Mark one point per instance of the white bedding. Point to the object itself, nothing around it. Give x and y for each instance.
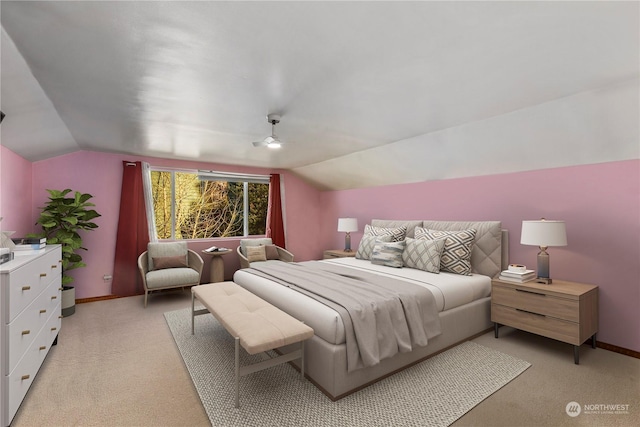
(450, 291)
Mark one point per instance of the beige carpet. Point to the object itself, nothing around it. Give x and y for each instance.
(116, 365)
(433, 393)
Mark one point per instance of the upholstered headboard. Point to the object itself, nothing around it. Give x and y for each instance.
(490, 252)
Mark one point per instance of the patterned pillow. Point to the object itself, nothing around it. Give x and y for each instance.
(367, 243)
(423, 254)
(456, 256)
(388, 253)
(256, 253)
(398, 234)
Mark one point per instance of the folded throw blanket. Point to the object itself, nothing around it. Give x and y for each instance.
(382, 316)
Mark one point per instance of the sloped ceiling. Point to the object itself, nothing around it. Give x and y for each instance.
(370, 93)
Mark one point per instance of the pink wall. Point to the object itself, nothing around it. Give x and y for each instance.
(101, 175)
(15, 193)
(600, 204)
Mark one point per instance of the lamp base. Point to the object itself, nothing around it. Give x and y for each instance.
(347, 242)
(543, 280)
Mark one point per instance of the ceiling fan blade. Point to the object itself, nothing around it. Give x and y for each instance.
(260, 143)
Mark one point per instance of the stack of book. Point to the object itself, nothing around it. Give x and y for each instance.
(517, 276)
(29, 243)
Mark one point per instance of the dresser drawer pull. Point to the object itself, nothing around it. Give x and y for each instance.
(54, 266)
(26, 332)
(54, 297)
(531, 312)
(43, 311)
(531, 292)
(54, 329)
(43, 347)
(43, 274)
(59, 289)
(25, 377)
(26, 288)
(60, 316)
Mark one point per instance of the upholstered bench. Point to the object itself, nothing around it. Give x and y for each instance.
(255, 324)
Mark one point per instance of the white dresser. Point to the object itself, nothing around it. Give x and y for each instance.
(30, 313)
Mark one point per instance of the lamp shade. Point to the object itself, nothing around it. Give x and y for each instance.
(543, 233)
(347, 224)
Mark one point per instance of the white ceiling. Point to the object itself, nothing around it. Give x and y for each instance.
(354, 81)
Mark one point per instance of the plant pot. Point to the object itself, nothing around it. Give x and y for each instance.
(68, 301)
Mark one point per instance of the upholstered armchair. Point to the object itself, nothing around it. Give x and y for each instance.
(256, 250)
(166, 265)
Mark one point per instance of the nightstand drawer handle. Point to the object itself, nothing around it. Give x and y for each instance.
(26, 288)
(531, 312)
(530, 292)
(43, 274)
(25, 377)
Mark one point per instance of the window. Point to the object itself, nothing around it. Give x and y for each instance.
(204, 205)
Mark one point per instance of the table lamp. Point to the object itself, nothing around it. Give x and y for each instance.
(347, 225)
(543, 233)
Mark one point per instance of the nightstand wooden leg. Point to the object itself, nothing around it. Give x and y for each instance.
(593, 341)
(576, 354)
(496, 326)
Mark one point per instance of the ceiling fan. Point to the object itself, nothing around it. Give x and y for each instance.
(271, 141)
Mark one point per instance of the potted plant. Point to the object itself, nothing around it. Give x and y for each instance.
(61, 219)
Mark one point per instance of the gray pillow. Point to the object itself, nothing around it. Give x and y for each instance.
(423, 254)
(388, 253)
(398, 233)
(456, 256)
(365, 249)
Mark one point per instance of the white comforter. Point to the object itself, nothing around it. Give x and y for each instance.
(450, 291)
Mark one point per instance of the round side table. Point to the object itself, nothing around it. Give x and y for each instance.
(216, 270)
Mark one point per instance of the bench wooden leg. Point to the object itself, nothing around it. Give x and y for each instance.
(237, 372)
(302, 359)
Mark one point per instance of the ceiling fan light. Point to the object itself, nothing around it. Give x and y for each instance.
(274, 144)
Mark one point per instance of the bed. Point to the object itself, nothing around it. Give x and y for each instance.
(463, 303)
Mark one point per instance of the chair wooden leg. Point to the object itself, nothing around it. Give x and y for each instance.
(145, 298)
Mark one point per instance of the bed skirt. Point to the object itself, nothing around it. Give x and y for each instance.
(326, 363)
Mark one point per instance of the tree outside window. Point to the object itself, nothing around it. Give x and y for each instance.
(203, 209)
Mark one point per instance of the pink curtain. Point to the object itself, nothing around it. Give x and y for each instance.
(275, 225)
(133, 233)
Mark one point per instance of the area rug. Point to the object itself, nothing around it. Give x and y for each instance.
(435, 392)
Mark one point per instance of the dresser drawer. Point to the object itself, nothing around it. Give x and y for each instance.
(537, 302)
(23, 330)
(19, 380)
(558, 329)
(27, 282)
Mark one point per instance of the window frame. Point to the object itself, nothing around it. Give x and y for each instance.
(209, 175)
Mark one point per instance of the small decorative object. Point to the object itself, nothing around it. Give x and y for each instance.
(517, 268)
(61, 220)
(347, 225)
(543, 233)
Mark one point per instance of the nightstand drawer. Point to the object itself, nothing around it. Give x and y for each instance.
(547, 326)
(537, 302)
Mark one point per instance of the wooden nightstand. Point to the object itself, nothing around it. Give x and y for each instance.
(564, 311)
(337, 253)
